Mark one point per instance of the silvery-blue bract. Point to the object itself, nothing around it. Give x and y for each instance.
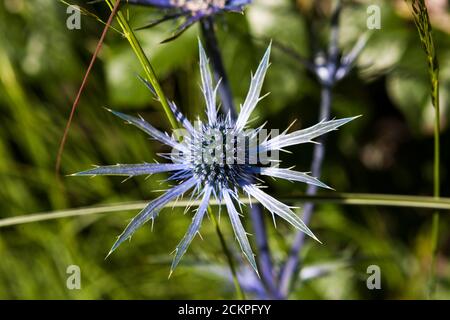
(219, 179)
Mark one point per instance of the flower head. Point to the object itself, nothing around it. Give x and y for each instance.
(218, 158)
(191, 10)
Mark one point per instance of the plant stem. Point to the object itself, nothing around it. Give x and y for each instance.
(292, 264)
(240, 294)
(114, 10)
(264, 257)
(358, 199)
(213, 51)
(436, 188)
(423, 24)
(146, 65)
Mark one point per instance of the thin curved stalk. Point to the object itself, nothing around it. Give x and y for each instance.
(333, 64)
(352, 199)
(264, 258)
(114, 10)
(292, 263)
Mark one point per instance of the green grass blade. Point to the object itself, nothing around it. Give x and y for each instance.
(423, 24)
(337, 198)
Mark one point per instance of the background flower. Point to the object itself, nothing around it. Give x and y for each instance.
(191, 10)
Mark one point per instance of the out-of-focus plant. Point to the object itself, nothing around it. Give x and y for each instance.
(329, 68)
(191, 10)
(423, 24)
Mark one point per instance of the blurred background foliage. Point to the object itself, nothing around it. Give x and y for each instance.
(388, 150)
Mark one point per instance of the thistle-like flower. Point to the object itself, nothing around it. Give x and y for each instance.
(215, 159)
(191, 10)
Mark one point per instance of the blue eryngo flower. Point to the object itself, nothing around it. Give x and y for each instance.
(217, 159)
(191, 10)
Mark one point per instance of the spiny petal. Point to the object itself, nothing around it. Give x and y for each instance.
(156, 3)
(278, 208)
(207, 85)
(238, 2)
(173, 107)
(239, 231)
(149, 86)
(149, 129)
(181, 118)
(193, 229)
(304, 135)
(152, 210)
(156, 22)
(183, 27)
(131, 169)
(291, 175)
(253, 93)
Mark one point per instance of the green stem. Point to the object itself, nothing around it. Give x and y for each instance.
(437, 130)
(148, 69)
(423, 24)
(436, 188)
(338, 198)
(434, 247)
(240, 294)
